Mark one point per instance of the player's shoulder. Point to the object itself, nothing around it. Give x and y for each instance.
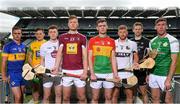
(131, 41)
(153, 39)
(93, 38)
(145, 39)
(81, 35)
(171, 38)
(45, 44)
(10, 43)
(63, 35)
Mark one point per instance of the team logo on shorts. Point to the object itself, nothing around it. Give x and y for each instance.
(13, 83)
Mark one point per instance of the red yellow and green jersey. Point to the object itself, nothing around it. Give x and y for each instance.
(34, 49)
(101, 50)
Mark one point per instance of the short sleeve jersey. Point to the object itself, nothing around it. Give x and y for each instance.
(48, 50)
(34, 48)
(124, 53)
(16, 56)
(72, 50)
(165, 46)
(142, 45)
(101, 50)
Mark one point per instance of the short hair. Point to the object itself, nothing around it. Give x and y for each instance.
(122, 27)
(100, 21)
(160, 19)
(137, 24)
(16, 28)
(72, 17)
(52, 27)
(39, 28)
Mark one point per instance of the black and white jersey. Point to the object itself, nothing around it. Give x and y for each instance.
(124, 53)
(142, 46)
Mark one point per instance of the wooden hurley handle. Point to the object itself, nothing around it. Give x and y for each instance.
(148, 64)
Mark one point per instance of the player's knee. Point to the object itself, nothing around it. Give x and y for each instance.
(108, 97)
(66, 98)
(169, 100)
(58, 94)
(82, 98)
(18, 97)
(46, 97)
(95, 98)
(144, 93)
(155, 98)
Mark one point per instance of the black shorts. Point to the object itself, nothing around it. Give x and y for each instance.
(141, 76)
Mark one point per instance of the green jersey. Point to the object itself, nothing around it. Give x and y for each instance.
(165, 46)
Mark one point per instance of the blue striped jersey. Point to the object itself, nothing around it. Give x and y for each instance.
(15, 56)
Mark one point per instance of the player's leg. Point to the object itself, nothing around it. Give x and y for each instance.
(96, 86)
(17, 84)
(143, 90)
(22, 92)
(81, 90)
(35, 94)
(108, 90)
(17, 94)
(142, 84)
(47, 91)
(67, 86)
(108, 95)
(129, 94)
(169, 97)
(7, 93)
(155, 91)
(169, 93)
(81, 94)
(115, 95)
(58, 90)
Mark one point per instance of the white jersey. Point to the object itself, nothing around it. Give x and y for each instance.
(49, 50)
(124, 53)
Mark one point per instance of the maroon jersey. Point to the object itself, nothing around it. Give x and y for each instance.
(72, 50)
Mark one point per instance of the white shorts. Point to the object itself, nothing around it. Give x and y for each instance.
(156, 81)
(104, 84)
(124, 75)
(69, 81)
(48, 81)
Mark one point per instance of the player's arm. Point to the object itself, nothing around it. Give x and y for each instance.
(84, 58)
(135, 56)
(93, 76)
(90, 60)
(29, 55)
(58, 58)
(174, 45)
(3, 67)
(42, 55)
(114, 64)
(173, 66)
(4, 63)
(85, 62)
(42, 60)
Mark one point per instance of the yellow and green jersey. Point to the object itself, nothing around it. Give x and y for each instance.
(34, 50)
(165, 46)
